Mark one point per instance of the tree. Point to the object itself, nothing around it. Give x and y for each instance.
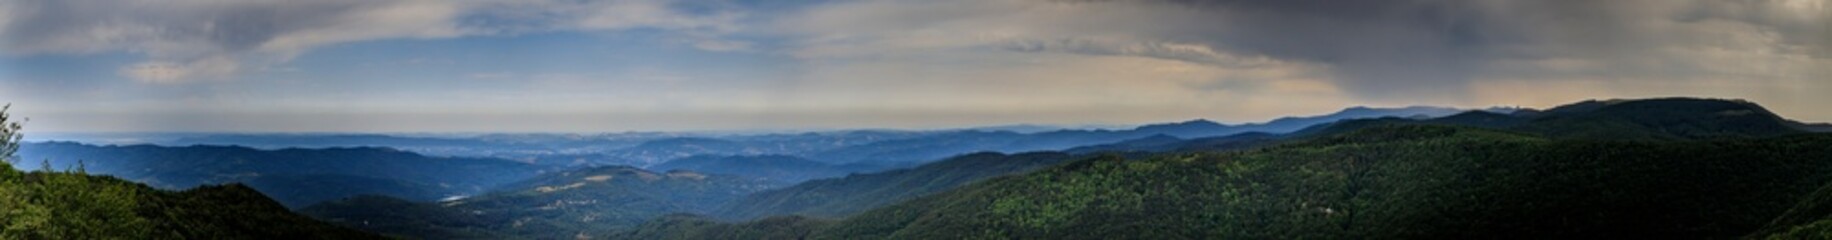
(16, 213)
(9, 136)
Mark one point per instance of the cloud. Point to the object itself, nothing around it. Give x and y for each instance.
(159, 72)
(1422, 50)
(189, 40)
(956, 62)
(1195, 53)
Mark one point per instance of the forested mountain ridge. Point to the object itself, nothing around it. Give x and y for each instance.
(1668, 118)
(840, 197)
(1630, 119)
(1639, 119)
(74, 205)
(295, 177)
(1385, 182)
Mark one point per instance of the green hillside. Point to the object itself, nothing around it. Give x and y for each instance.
(1390, 182)
(73, 205)
(1811, 218)
(295, 177)
(687, 226)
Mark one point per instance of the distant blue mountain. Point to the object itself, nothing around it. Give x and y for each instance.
(873, 147)
(943, 145)
(1204, 128)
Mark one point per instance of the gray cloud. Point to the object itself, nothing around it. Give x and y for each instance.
(1195, 53)
(189, 40)
(1412, 49)
(1065, 61)
(1407, 47)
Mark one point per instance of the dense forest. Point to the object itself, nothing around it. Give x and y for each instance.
(1661, 168)
(1395, 182)
(295, 177)
(70, 204)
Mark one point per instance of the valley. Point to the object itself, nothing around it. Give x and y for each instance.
(1675, 167)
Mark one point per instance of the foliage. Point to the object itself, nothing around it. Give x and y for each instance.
(74, 205)
(1388, 182)
(295, 177)
(839, 197)
(10, 137)
(687, 226)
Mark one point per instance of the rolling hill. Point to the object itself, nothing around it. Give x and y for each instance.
(942, 145)
(295, 177)
(73, 205)
(779, 168)
(1408, 182)
(585, 202)
(839, 197)
(1640, 119)
(1668, 118)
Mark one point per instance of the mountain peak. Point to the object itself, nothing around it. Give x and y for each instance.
(1184, 125)
(1196, 127)
(1414, 108)
(1675, 118)
(1198, 121)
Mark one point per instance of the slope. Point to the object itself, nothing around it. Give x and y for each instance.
(941, 145)
(295, 176)
(839, 197)
(587, 202)
(72, 205)
(1811, 218)
(1662, 118)
(780, 168)
(1387, 182)
(1639, 119)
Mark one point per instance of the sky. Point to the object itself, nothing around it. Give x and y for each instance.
(668, 65)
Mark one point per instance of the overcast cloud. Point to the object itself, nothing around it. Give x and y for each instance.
(673, 65)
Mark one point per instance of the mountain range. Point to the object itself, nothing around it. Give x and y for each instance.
(586, 202)
(295, 177)
(1655, 168)
(1642, 168)
(74, 205)
(644, 149)
(839, 197)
